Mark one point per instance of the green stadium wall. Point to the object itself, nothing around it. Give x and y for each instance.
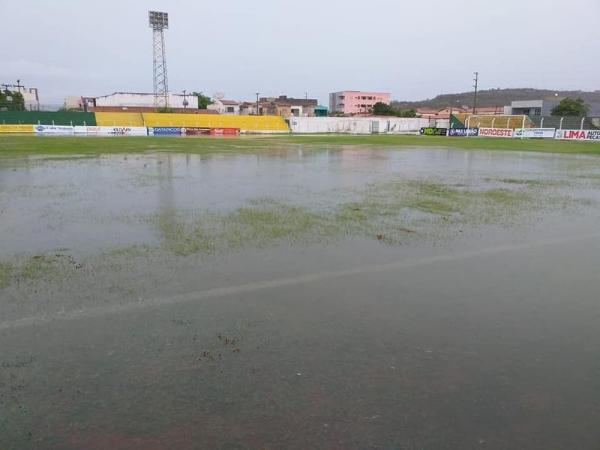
(47, 118)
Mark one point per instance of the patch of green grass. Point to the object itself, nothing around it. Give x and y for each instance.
(388, 212)
(38, 266)
(6, 271)
(264, 221)
(532, 182)
(44, 266)
(184, 237)
(431, 206)
(11, 146)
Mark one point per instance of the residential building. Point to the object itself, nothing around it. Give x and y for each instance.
(531, 107)
(281, 106)
(356, 102)
(321, 111)
(437, 113)
(444, 113)
(541, 108)
(30, 95)
(225, 106)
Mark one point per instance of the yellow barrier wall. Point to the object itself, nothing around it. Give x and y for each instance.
(244, 123)
(119, 119)
(16, 128)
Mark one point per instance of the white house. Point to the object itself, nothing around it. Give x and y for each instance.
(225, 106)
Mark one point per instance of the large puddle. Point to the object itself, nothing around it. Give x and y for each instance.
(300, 298)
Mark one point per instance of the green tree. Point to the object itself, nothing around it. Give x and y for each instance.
(203, 100)
(408, 113)
(570, 107)
(11, 101)
(383, 109)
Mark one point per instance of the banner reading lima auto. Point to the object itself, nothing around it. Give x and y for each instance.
(578, 135)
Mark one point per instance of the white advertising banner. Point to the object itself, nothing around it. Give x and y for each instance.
(112, 131)
(496, 132)
(53, 129)
(547, 133)
(578, 135)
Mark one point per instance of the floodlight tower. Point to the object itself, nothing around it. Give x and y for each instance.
(159, 22)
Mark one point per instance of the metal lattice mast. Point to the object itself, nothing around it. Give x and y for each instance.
(159, 22)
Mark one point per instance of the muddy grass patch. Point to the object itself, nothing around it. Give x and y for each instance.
(391, 213)
(6, 270)
(49, 267)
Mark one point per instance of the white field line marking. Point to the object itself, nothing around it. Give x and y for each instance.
(280, 282)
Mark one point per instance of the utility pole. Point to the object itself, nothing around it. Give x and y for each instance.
(185, 102)
(257, 94)
(476, 80)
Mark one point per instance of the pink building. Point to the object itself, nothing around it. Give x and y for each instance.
(356, 102)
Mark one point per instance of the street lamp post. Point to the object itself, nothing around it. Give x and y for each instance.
(185, 102)
(476, 85)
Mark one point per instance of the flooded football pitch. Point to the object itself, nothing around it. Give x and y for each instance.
(300, 297)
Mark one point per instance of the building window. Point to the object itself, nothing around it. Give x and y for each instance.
(230, 109)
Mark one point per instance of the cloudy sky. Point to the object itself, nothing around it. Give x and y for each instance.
(414, 49)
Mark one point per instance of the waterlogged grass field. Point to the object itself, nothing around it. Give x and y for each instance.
(35, 145)
(299, 292)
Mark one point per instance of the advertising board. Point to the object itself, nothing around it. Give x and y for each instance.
(53, 129)
(211, 131)
(547, 133)
(578, 135)
(165, 131)
(111, 131)
(464, 132)
(16, 128)
(432, 131)
(225, 131)
(195, 131)
(496, 132)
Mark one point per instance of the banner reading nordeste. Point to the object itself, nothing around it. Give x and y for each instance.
(496, 132)
(53, 129)
(547, 133)
(112, 131)
(578, 135)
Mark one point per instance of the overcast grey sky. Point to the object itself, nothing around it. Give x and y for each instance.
(414, 49)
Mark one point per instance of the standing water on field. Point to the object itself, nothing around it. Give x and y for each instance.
(300, 298)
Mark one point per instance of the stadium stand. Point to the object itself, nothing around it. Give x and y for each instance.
(47, 118)
(119, 119)
(244, 123)
(491, 121)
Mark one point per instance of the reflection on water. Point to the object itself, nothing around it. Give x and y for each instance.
(497, 349)
(91, 204)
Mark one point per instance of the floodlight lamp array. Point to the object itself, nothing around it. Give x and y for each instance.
(158, 20)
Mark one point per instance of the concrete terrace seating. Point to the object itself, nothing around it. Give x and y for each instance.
(491, 121)
(119, 119)
(244, 123)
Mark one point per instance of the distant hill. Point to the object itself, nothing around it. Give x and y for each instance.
(496, 97)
